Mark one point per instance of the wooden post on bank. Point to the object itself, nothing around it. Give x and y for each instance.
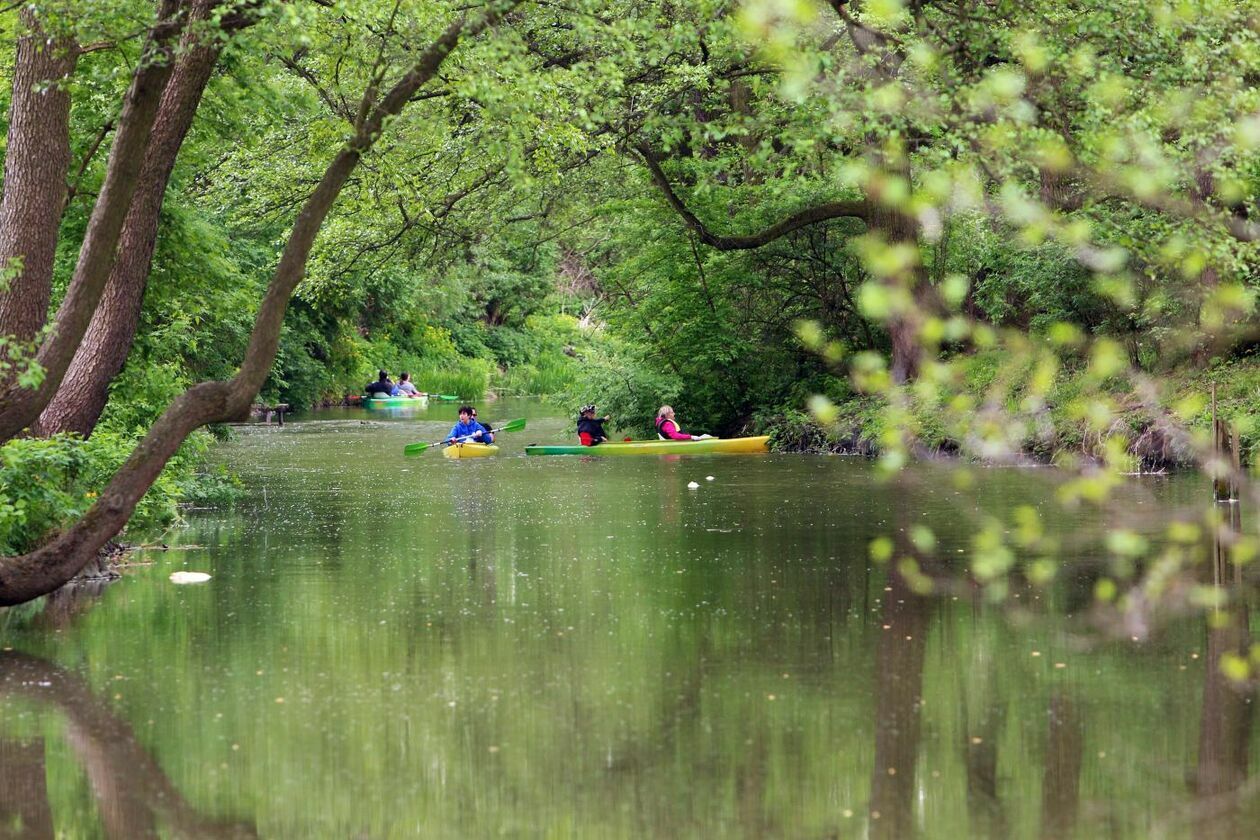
(1227, 457)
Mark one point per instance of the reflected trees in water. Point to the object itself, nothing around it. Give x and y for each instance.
(134, 797)
(1228, 713)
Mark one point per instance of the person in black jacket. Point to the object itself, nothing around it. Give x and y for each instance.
(590, 429)
(382, 386)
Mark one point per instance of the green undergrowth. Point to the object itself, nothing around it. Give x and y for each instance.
(46, 483)
(1065, 427)
(545, 356)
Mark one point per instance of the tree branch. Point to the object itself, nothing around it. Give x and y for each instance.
(855, 209)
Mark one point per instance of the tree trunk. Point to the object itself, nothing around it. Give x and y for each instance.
(1207, 337)
(31, 575)
(78, 403)
(19, 407)
(905, 326)
(35, 167)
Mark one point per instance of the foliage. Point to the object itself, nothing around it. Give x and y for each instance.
(47, 482)
(622, 382)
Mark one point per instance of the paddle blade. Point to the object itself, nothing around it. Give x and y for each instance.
(415, 448)
(512, 425)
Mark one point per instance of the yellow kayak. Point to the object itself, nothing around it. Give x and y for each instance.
(469, 450)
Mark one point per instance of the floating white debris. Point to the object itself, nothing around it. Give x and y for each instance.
(691, 485)
(708, 478)
(189, 577)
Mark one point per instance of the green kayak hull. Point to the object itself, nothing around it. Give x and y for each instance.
(713, 446)
(393, 402)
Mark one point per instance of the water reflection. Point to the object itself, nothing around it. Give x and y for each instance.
(1065, 753)
(134, 798)
(525, 647)
(898, 701)
(1228, 711)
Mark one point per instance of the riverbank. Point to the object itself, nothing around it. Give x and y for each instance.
(1159, 438)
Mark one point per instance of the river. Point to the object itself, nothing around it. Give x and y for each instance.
(570, 647)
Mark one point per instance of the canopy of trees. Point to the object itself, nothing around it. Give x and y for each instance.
(737, 207)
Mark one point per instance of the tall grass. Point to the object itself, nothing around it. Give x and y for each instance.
(466, 377)
(552, 373)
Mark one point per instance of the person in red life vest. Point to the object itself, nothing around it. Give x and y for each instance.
(590, 429)
(667, 427)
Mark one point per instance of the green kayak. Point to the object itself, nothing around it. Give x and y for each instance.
(393, 402)
(712, 446)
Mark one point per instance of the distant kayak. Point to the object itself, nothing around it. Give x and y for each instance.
(712, 446)
(469, 450)
(393, 402)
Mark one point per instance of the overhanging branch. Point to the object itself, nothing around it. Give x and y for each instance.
(856, 209)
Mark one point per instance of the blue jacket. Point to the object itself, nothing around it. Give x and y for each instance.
(460, 430)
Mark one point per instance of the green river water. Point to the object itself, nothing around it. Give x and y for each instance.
(568, 647)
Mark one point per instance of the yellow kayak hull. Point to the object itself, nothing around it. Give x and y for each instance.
(469, 450)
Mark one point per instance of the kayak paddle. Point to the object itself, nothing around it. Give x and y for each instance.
(510, 426)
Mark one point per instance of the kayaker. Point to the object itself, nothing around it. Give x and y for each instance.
(468, 429)
(406, 387)
(383, 386)
(667, 427)
(589, 428)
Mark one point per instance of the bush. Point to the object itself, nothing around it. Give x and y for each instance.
(46, 483)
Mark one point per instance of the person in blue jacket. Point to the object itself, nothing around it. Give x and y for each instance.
(468, 430)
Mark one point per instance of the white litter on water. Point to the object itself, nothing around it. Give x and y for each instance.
(189, 577)
(691, 485)
(708, 478)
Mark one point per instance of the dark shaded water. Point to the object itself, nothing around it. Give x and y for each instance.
(563, 647)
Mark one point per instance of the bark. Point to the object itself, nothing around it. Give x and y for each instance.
(1207, 343)
(19, 407)
(35, 167)
(43, 570)
(78, 403)
(904, 327)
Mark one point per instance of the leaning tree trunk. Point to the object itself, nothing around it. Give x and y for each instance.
(78, 403)
(29, 576)
(35, 166)
(19, 406)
